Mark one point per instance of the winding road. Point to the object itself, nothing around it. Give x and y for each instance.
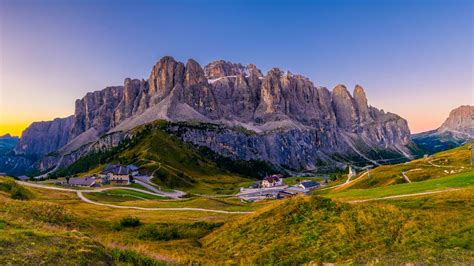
(406, 195)
(347, 182)
(83, 198)
(145, 181)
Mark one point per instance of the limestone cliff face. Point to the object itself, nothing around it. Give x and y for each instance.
(295, 123)
(96, 110)
(460, 120)
(44, 137)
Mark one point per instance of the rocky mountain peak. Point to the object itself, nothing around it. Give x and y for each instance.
(344, 107)
(460, 120)
(285, 108)
(253, 70)
(194, 74)
(164, 76)
(361, 105)
(221, 68)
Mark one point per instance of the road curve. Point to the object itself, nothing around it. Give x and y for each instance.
(86, 190)
(81, 196)
(348, 182)
(406, 195)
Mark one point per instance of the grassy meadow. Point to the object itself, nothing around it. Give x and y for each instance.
(48, 226)
(457, 181)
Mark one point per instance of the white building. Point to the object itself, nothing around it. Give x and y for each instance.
(272, 181)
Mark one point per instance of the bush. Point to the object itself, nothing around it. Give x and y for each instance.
(130, 222)
(20, 193)
(166, 232)
(16, 191)
(162, 232)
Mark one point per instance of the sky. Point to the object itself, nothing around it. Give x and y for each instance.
(413, 57)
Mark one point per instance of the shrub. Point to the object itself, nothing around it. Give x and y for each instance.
(3, 224)
(166, 232)
(323, 203)
(20, 193)
(130, 221)
(161, 232)
(16, 191)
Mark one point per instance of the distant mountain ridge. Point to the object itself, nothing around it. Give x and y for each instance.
(7, 143)
(456, 130)
(279, 117)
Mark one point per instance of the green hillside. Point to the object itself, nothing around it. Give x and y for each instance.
(174, 164)
(34, 232)
(442, 164)
(452, 182)
(318, 230)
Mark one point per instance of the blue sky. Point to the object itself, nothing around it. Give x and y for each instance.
(413, 58)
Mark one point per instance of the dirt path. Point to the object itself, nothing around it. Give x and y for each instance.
(406, 195)
(79, 194)
(406, 177)
(83, 198)
(146, 182)
(347, 182)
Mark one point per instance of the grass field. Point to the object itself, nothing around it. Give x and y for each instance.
(439, 165)
(120, 195)
(464, 180)
(317, 231)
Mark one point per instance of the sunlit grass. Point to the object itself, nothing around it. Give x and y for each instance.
(464, 180)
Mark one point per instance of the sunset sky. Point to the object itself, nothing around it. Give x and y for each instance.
(413, 58)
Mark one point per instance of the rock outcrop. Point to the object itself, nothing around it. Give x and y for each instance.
(294, 123)
(41, 138)
(460, 121)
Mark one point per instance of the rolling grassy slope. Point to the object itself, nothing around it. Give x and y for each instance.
(463, 180)
(318, 230)
(174, 164)
(439, 165)
(56, 228)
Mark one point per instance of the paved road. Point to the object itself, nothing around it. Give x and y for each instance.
(81, 196)
(146, 182)
(260, 191)
(406, 195)
(85, 190)
(347, 183)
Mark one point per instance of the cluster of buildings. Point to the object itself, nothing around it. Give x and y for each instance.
(112, 174)
(272, 187)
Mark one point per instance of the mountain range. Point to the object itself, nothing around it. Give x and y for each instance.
(280, 117)
(456, 130)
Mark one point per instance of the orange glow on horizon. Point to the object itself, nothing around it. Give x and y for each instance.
(13, 129)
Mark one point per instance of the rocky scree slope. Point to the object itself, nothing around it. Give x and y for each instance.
(279, 117)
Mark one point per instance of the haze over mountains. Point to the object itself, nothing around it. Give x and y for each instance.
(281, 118)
